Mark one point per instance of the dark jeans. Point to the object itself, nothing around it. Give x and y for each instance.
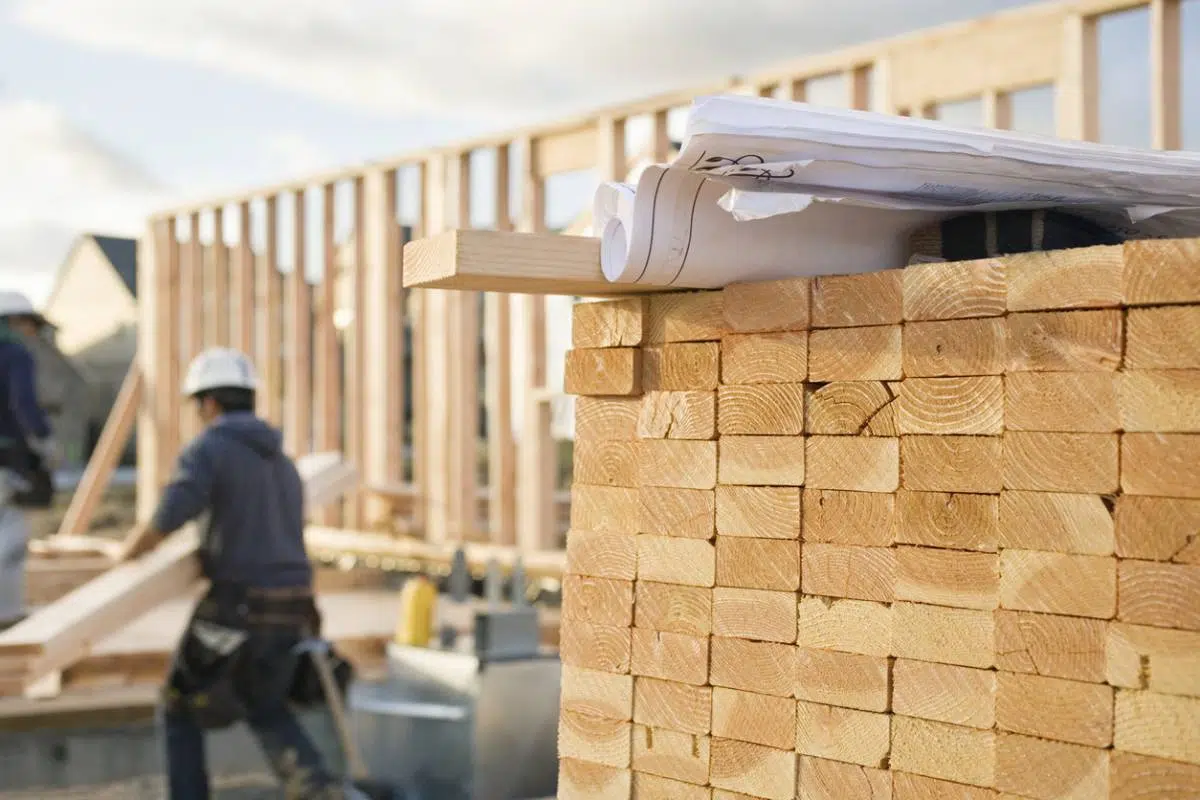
(288, 749)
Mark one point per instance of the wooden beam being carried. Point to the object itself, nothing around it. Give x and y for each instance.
(65, 631)
(104, 458)
(519, 263)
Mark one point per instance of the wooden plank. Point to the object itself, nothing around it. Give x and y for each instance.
(855, 354)
(847, 680)
(117, 428)
(689, 366)
(1054, 646)
(677, 463)
(768, 409)
(518, 263)
(938, 750)
(764, 357)
(1064, 341)
(1054, 521)
(603, 601)
(1160, 725)
(767, 305)
(597, 647)
(1159, 401)
(1077, 103)
(1165, 595)
(948, 520)
(1056, 709)
(748, 767)
(596, 739)
(851, 301)
(1083, 277)
(670, 754)
(686, 317)
(848, 626)
(944, 635)
(596, 693)
(687, 513)
(1133, 776)
(851, 408)
(956, 405)
(672, 608)
(604, 418)
(615, 371)
(355, 368)
(761, 460)
(955, 291)
(861, 573)
(243, 285)
(584, 780)
(269, 336)
(760, 667)
(674, 706)
(613, 323)
(601, 553)
(604, 508)
(759, 614)
(1162, 338)
(327, 363)
(677, 415)
(219, 334)
(1157, 529)
(1166, 465)
(758, 718)
(669, 559)
(1158, 272)
(1162, 660)
(843, 734)
(1031, 767)
(855, 518)
(751, 563)
(655, 787)
(1166, 63)
(299, 387)
(567, 151)
(1061, 462)
(762, 512)
(944, 693)
(866, 464)
(670, 656)
(1066, 402)
(63, 632)
(947, 577)
(1058, 583)
(606, 463)
(954, 347)
(951, 463)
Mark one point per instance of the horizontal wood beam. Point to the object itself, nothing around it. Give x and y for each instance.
(519, 263)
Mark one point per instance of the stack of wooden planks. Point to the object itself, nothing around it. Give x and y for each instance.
(915, 534)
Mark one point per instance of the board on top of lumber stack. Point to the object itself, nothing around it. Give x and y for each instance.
(922, 533)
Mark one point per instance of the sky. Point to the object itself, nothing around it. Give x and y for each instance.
(112, 108)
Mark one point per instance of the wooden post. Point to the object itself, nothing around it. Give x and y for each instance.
(997, 109)
(535, 468)
(381, 276)
(156, 353)
(662, 138)
(611, 159)
(858, 82)
(1078, 106)
(799, 90)
(1166, 63)
(298, 427)
(243, 280)
(417, 354)
(462, 386)
(502, 455)
(189, 301)
(435, 495)
(328, 434)
(270, 311)
(220, 335)
(355, 365)
(108, 451)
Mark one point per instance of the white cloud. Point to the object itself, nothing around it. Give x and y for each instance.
(56, 181)
(500, 60)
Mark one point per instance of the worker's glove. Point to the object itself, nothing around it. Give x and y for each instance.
(47, 449)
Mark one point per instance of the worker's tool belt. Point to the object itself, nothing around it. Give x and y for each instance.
(239, 646)
(36, 489)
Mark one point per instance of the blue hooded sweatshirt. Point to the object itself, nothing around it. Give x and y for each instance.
(21, 418)
(236, 476)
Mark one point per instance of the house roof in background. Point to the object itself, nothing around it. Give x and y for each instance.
(122, 254)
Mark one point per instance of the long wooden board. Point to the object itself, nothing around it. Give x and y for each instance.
(65, 631)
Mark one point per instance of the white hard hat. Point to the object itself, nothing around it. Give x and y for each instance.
(16, 304)
(219, 367)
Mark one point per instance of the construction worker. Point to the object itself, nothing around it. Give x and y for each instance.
(26, 445)
(240, 647)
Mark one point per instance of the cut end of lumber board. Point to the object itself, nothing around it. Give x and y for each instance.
(518, 263)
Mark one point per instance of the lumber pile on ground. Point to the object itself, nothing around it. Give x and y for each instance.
(922, 533)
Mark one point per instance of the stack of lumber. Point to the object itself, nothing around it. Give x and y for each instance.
(914, 534)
